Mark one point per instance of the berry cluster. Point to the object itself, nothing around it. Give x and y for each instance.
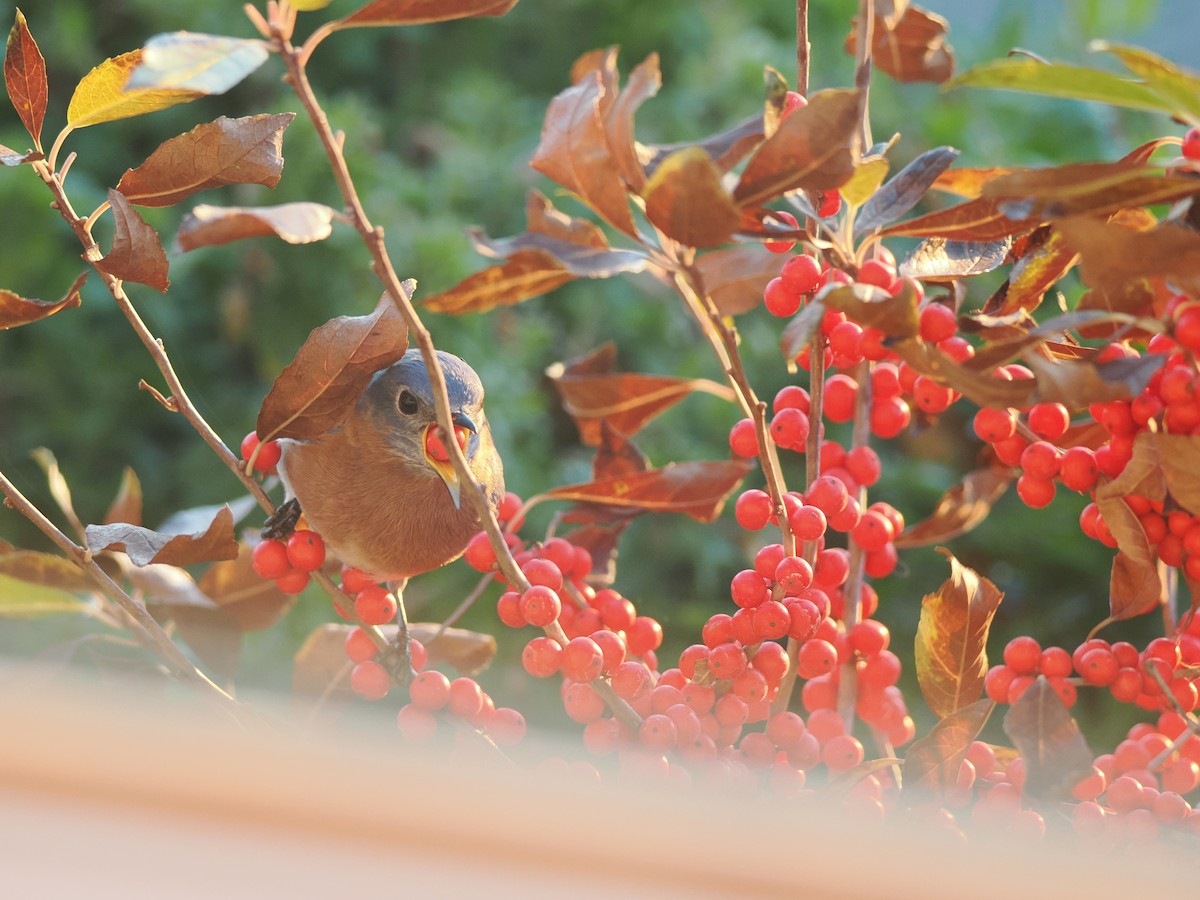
(289, 563)
(262, 456)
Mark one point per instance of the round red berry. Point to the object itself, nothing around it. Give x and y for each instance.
(370, 680)
(540, 605)
(306, 550)
(789, 222)
(268, 456)
(801, 274)
(292, 581)
(375, 606)
(937, 323)
(779, 299)
(582, 659)
(269, 559)
(743, 439)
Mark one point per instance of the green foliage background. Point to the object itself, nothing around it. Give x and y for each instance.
(440, 123)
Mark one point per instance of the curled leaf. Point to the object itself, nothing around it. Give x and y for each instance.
(527, 273)
(319, 388)
(1178, 454)
(905, 190)
(144, 546)
(16, 310)
(295, 223)
(205, 63)
(910, 47)
(422, 12)
(137, 253)
(227, 151)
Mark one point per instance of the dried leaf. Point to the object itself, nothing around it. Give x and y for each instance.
(319, 388)
(616, 457)
(686, 200)
(1047, 737)
(169, 586)
(1113, 254)
(253, 602)
(1058, 80)
(226, 151)
(642, 84)
(57, 483)
(16, 310)
(1178, 454)
(960, 508)
(912, 48)
(951, 649)
(976, 386)
(295, 223)
(144, 546)
(626, 400)
(1032, 275)
(976, 220)
(1135, 586)
(967, 182)
(735, 277)
(1076, 383)
(903, 192)
(25, 600)
(11, 158)
(896, 316)
(726, 149)
(127, 505)
(574, 152)
(25, 78)
(101, 95)
(527, 273)
(45, 569)
(137, 253)
(196, 518)
(205, 63)
(933, 762)
(938, 259)
(422, 12)
(1097, 189)
(815, 148)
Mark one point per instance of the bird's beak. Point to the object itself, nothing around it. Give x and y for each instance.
(438, 456)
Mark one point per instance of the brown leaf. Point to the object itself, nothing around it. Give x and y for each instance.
(896, 316)
(319, 388)
(1092, 188)
(16, 310)
(976, 386)
(815, 148)
(1076, 383)
(1032, 275)
(43, 568)
(169, 586)
(912, 48)
(1111, 253)
(967, 182)
(137, 253)
(574, 152)
(626, 400)
(1143, 475)
(937, 259)
(467, 652)
(933, 762)
(227, 151)
(735, 277)
(1179, 454)
(686, 200)
(981, 219)
(11, 158)
(127, 505)
(421, 12)
(144, 546)
(253, 601)
(600, 540)
(951, 649)
(527, 273)
(642, 84)
(25, 78)
(1047, 737)
(726, 149)
(295, 223)
(902, 192)
(1135, 586)
(960, 508)
(696, 489)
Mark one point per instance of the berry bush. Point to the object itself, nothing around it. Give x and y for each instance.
(793, 686)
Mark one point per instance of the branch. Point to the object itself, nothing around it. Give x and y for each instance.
(803, 47)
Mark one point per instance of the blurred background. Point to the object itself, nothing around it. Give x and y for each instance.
(440, 124)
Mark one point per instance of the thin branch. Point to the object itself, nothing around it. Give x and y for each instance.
(864, 39)
(803, 47)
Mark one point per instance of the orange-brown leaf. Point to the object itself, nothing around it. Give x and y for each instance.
(1092, 188)
(1113, 254)
(981, 219)
(317, 391)
(686, 200)
(642, 84)
(735, 277)
(137, 253)
(25, 78)
(1055, 754)
(951, 649)
(422, 12)
(896, 316)
(1178, 454)
(295, 223)
(253, 601)
(127, 505)
(967, 182)
(1135, 586)
(227, 151)
(933, 762)
(527, 273)
(144, 546)
(960, 508)
(815, 148)
(16, 310)
(726, 148)
(574, 152)
(912, 48)
(696, 489)
(1032, 275)
(43, 568)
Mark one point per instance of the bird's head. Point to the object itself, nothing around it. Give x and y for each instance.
(399, 401)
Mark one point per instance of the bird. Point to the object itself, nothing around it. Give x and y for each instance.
(380, 488)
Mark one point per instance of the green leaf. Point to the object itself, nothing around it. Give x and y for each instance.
(24, 600)
(186, 61)
(1176, 87)
(1058, 80)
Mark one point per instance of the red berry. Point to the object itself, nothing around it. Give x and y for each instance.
(841, 393)
(542, 657)
(864, 465)
(743, 439)
(268, 453)
(292, 581)
(753, 509)
(430, 690)
(359, 646)
(1049, 421)
(643, 636)
(1023, 655)
(306, 550)
(540, 606)
(873, 531)
(876, 272)
(801, 274)
(831, 204)
(355, 580)
(370, 680)
(789, 429)
(779, 299)
(938, 322)
(793, 574)
(466, 698)
(1191, 143)
(889, 416)
(1035, 492)
(506, 726)
(994, 425)
(817, 657)
(790, 222)
(808, 523)
(375, 606)
(269, 559)
(1078, 469)
(748, 588)
(841, 753)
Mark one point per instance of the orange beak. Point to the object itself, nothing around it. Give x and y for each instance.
(438, 456)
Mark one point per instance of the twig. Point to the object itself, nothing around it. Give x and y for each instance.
(864, 39)
(803, 47)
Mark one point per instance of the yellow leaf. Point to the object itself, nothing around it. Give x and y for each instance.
(310, 5)
(865, 181)
(101, 95)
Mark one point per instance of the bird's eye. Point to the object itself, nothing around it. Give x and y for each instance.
(407, 402)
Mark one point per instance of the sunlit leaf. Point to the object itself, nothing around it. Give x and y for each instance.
(1059, 80)
(25, 600)
(205, 63)
(735, 277)
(815, 148)
(422, 12)
(1178, 455)
(896, 316)
(11, 158)
(295, 223)
(318, 389)
(868, 176)
(101, 95)
(939, 259)
(687, 202)
(951, 648)
(912, 48)
(16, 310)
(1047, 737)
(25, 78)
(726, 149)
(136, 253)
(902, 192)
(642, 84)
(144, 546)
(527, 273)
(1177, 87)
(309, 5)
(1033, 274)
(1113, 254)
(960, 509)
(932, 763)
(968, 182)
(226, 151)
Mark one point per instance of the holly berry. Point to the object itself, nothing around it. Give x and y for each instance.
(306, 550)
(1191, 143)
(370, 680)
(783, 246)
(937, 322)
(293, 581)
(269, 559)
(801, 274)
(375, 606)
(269, 453)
